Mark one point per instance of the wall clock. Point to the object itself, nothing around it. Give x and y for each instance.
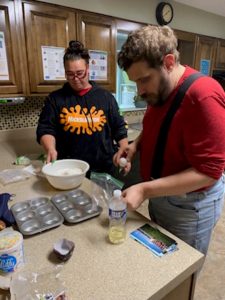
(164, 13)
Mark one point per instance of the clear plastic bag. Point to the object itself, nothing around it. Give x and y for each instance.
(104, 186)
(44, 285)
(13, 175)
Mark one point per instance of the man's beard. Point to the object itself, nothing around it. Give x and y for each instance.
(163, 91)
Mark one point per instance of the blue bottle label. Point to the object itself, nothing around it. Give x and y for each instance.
(118, 214)
(7, 263)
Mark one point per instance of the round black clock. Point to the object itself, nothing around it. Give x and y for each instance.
(164, 13)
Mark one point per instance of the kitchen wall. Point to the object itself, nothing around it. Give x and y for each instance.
(185, 18)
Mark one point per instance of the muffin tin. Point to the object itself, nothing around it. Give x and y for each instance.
(41, 213)
(76, 206)
(36, 215)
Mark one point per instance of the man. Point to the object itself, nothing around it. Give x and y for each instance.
(81, 120)
(187, 197)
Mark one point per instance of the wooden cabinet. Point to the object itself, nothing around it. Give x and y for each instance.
(98, 32)
(220, 55)
(12, 76)
(28, 25)
(186, 47)
(45, 25)
(205, 49)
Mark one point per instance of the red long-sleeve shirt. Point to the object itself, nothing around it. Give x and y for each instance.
(197, 134)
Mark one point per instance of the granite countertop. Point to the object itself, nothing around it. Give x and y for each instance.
(97, 269)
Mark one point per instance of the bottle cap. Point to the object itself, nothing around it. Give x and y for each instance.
(117, 193)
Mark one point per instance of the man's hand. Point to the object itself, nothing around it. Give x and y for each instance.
(119, 156)
(134, 196)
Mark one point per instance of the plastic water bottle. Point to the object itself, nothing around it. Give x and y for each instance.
(117, 218)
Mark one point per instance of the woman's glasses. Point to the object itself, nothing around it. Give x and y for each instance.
(79, 74)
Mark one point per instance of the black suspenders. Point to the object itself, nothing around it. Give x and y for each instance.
(157, 163)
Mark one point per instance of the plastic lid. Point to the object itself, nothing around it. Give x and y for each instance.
(117, 193)
(9, 239)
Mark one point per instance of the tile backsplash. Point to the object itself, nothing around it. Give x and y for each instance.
(134, 116)
(27, 113)
(21, 115)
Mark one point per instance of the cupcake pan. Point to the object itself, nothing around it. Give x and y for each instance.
(36, 215)
(41, 213)
(76, 206)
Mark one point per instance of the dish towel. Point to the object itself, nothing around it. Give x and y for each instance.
(6, 214)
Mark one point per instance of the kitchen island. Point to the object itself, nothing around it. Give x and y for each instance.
(97, 269)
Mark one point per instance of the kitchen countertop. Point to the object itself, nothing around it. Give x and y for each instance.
(97, 269)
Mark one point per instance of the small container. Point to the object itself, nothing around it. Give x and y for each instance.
(63, 249)
(127, 95)
(11, 251)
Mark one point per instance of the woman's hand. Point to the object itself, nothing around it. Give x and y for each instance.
(48, 142)
(51, 155)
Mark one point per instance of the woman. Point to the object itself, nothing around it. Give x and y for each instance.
(81, 120)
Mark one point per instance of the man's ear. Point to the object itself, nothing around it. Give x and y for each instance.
(169, 62)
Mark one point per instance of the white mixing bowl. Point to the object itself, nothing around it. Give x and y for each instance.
(65, 174)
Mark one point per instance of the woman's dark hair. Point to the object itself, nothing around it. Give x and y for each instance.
(76, 51)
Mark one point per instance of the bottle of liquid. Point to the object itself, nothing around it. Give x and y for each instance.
(127, 97)
(117, 218)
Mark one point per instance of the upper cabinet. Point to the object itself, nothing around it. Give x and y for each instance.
(186, 47)
(205, 50)
(12, 71)
(47, 27)
(34, 35)
(98, 33)
(220, 55)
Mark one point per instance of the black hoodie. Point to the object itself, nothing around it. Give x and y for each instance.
(85, 127)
